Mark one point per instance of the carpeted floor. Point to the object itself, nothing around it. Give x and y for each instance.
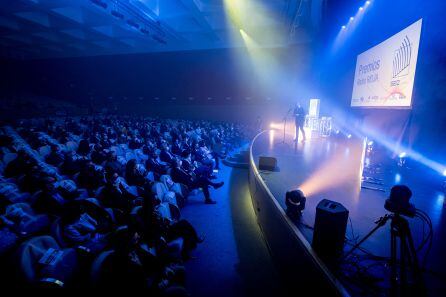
(233, 260)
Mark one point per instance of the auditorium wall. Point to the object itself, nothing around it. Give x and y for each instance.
(219, 84)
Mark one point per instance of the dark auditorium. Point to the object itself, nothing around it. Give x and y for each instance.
(225, 148)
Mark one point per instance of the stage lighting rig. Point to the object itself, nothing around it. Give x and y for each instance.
(295, 203)
(402, 159)
(370, 144)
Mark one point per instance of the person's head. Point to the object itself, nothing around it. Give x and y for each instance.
(111, 176)
(84, 144)
(111, 156)
(22, 154)
(48, 184)
(69, 154)
(98, 147)
(131, 164)
(55, 148)
(155, 154)
(123, 240)
(177, 163)
(185, 154)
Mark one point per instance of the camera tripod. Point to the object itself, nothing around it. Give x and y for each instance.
(399, 262)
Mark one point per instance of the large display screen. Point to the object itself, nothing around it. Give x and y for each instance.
(385, 74)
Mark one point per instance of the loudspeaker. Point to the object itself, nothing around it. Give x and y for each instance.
(267, 163)
(329, 230)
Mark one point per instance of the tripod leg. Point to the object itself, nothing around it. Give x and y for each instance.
(418, 278)
(413, 252)
(403, 258)
(408, 260)
(393, 260)
(382, 221)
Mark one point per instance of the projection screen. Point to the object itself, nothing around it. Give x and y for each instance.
(385, 74)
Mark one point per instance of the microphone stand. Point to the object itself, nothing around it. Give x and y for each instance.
(284, 125)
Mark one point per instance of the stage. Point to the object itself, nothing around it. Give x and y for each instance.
(332, 168)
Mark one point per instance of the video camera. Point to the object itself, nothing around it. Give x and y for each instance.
(398, 201)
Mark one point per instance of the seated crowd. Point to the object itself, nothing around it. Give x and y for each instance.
(95, 202)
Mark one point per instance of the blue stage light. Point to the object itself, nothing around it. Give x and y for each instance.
(402, 155)
(370, 143)
(352, 18)
(440, 200)
(349, 136)
(367, 2)
(444, 172)
(397, 178)
(361, 8)
(343, 27)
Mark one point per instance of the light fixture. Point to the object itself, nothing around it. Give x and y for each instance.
(295, 203)
(402, 159)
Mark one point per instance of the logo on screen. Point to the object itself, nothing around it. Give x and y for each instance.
(402, 58)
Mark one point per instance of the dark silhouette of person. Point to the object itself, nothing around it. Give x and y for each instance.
(299, 119)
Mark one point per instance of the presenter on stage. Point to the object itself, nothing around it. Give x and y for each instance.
(299, 119)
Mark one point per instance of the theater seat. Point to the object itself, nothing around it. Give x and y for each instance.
(175, 247)
(9, 157)
(35, 272)
(57, 232)
(97, 272)
(8, 240)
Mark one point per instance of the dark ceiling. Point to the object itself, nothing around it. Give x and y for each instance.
(68, 28)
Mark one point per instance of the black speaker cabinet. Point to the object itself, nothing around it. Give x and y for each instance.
(329, 230)
(267, 163)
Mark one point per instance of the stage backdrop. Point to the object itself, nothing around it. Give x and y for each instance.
(385, 74)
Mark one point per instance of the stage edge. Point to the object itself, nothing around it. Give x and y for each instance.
(297, 263)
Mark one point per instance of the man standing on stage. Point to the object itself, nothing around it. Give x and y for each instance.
(299, 118)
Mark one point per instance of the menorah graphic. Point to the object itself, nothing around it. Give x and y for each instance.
(402, 58)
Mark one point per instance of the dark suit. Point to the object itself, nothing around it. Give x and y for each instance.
(299, 119)
(167, 156)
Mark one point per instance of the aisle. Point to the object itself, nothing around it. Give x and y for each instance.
(233, 260)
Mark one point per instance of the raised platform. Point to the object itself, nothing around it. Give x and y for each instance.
(331, 168)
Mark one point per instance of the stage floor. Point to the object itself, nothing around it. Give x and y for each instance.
(330, 168)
